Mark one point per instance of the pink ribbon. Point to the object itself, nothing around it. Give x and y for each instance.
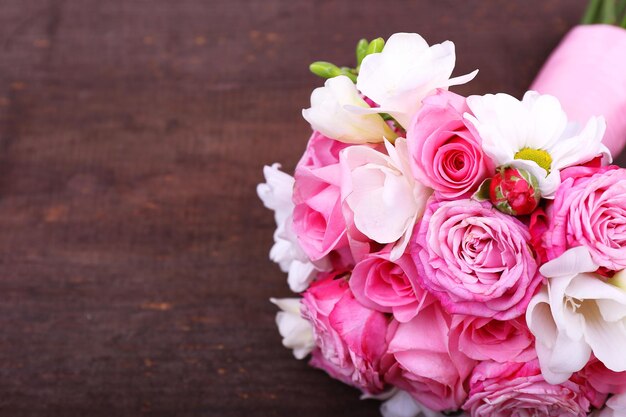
(587, 73)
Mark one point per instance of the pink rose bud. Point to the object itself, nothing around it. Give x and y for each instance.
(514, 191)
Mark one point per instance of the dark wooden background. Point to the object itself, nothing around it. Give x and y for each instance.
(134, 276)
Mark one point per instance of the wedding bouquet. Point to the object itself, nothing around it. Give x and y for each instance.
(460, 253)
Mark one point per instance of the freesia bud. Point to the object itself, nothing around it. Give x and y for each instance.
(361, 51)
(375, 46)
(325, 69)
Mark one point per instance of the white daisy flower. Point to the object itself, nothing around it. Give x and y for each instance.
(534, 134)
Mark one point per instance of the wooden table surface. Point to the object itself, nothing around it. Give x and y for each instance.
(134, 275)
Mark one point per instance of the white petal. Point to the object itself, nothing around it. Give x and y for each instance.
(405, 72)
(573, 261)
(405, 46)
(550, 184)
(403, 405)
(329, 115)
(615, 406)
(297, 332)
(581, 147)
(551, 345)
(502, 123)
(367, 110)
(282, 252)
(400, 246)
(591, 287)
(276, 192)
(568, 356)
(288, 305)
(382, 214)
(548, 120)
(300, 275)
(462, 79)
(607, 339)
(380, 196)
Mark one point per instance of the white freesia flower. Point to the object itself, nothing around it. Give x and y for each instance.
(382, 193)
(577, 313)
(403, 405)
(534, 134)
(335, 113)
(615, 407)
(276, 195)
(297, 333)
(405, 72)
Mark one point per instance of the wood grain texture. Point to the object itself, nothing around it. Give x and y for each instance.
(134, 276)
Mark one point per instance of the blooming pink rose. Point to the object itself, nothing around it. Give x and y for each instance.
(589, 209)
(317, 218)
(518, 389)
(350, 338)
(445, 150)
(389, 286)
(485, 339)
(475, 259)
(422, 360)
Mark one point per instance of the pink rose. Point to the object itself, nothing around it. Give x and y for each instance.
(389, 287)
(518, 389)
(475, 259)
(422, 361)
(485, 339)
(446, 152)
(589, 209)
(350, 338)
(317, 218)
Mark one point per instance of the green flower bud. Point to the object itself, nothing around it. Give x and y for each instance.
(375, 46)
(361, 51)
(325, 69)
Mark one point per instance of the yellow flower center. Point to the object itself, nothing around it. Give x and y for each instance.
(541, 157)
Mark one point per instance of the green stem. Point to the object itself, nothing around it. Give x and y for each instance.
(608, 12)
(591, 12)
(621, 13)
